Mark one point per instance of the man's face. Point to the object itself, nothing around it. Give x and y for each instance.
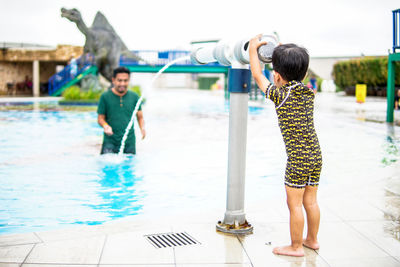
(121, 82)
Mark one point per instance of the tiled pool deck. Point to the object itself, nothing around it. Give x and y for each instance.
(359, 227)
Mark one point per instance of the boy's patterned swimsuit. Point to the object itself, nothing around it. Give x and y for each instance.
(294, 104)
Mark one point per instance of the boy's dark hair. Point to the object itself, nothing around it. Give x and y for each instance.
(120, 70)
(290, 61)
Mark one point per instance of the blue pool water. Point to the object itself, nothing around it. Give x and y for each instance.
(51, 173)
(52, 176)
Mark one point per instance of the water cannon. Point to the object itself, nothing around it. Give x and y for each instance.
(228, 53)
(236, 55)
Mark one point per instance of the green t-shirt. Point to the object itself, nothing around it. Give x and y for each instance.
(118, 112)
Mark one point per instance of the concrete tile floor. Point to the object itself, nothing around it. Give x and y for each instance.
(343, 243)
(79, 251)
(133, 248)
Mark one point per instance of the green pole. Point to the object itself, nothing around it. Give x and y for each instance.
(390, 90)
(226, 95)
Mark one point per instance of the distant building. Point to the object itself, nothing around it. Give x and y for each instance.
(37, 63)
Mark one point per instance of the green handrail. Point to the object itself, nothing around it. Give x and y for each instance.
(91, 70)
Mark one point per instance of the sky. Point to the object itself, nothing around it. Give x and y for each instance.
(324, 27)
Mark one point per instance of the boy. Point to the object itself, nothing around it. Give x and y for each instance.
(294, 104)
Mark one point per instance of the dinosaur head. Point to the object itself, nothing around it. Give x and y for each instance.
(72, 14)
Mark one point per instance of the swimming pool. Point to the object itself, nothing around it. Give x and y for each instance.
(51, 173)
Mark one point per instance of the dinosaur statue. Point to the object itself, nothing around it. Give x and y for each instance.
(101, 41)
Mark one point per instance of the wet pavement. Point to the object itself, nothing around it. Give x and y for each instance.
(359, 200)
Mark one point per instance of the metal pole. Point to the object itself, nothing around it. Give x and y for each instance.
(36, 78)
(394, 31)
(238, 85)
(226, 93)
(390, 89)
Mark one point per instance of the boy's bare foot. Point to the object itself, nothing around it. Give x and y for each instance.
(311, 244)
(289, 251)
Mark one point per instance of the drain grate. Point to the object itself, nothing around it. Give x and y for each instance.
(171, 240)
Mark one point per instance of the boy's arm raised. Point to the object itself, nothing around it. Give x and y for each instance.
(255, 66)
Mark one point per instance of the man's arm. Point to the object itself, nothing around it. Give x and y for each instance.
(101, 120)
(255, 65)
(139, 116)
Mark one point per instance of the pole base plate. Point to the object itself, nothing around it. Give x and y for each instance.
(244, 228)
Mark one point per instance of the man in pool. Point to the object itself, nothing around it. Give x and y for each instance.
(115, 111)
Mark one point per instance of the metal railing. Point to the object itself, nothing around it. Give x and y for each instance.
(158, 58)
(396, 30)
(155, 57)
(70, 72)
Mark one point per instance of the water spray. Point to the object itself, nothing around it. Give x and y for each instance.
(239, 83)
(135, 110)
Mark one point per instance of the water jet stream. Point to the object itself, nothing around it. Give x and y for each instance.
(130, 124)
